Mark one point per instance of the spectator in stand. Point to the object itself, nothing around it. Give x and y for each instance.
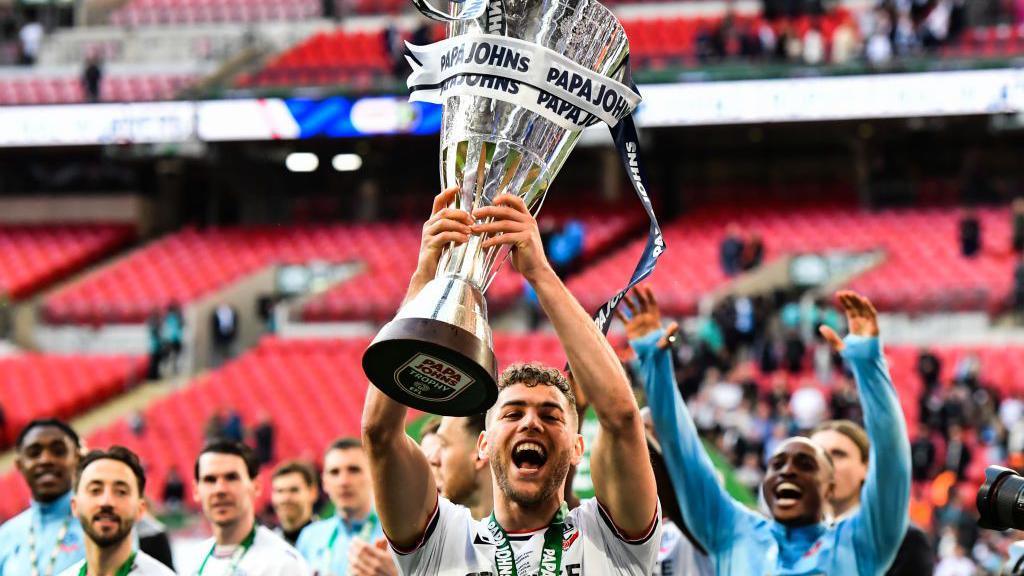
(31, 39)
(970, 234)
(233, 428)
(814, 45)
(958, 455)
(174, 490)
(92, 78)
(922, 456)
(1018, 290)
(171, 335)
(929, 368)
(731, 250)
(845, 43)
(155, 346)
(753, 253)
(224, 327)
(1017, 225)
(263, 438)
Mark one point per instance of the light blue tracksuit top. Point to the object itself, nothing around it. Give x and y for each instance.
(742, 542)
(48, 520)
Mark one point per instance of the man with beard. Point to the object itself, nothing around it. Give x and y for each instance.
(293, 493)
(226, 487)
(45, 539)
(351, 542)
(848, 446)
(461, 471)
(798, 538)
(531, 440)
(108, 502)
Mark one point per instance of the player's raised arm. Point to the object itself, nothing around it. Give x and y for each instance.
(881, 522)
(404, 487)
(623, 479)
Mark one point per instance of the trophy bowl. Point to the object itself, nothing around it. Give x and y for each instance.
(437, 354)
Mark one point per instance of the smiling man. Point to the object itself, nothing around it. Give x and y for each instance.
(347, 543)
(227, 489)
(798, 538)
(108, 501)
(293, 494)
(531, 440)
(44, 539)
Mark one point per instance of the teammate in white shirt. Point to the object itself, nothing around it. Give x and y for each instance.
(462, 472)
(108, 502)
(225, 473)
(531, 440)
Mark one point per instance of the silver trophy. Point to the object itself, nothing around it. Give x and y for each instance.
(437, 354)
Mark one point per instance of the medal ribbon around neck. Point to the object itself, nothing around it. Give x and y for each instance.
(124, 570)
(236, 557)
(550, 556)
(33, 556)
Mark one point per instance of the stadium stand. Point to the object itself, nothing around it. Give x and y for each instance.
(191, 263)
(348, 301)
(68, 89)
(180, 12)
(908, 237)
(33, 256)
(44, 386)
(312, 389)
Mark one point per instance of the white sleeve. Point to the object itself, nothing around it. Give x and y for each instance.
(636, 557)
(443, 548)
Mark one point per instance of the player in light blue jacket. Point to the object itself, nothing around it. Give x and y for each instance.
(798, 539)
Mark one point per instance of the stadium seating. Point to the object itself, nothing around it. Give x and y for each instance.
(337, 57)
(68, 89)
(172, 12)
(191, 264)
(42, 386)
(34, 256)
(313, 390)
(923, 270)
(348, 300)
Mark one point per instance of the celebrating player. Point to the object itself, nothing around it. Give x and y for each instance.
(44, 539)
(798, 538)
(108, 501)
(461, 471)
(225, 473)
(531, 441)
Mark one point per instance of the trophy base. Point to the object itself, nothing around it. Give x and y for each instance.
(432, 366)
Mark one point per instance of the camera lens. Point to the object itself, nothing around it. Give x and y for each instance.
(1001, 499)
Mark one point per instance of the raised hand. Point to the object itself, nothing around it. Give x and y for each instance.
(645, 317)
(370, 559)
(861, 317)
(512, 224)
(444, 226)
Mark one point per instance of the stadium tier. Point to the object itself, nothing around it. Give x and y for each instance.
(923, 269)
(348, 300)
(312, 390)
(45, 386)
(326, 58)
(33, 256)
(192, 264)
(159, 12)
(68, 89)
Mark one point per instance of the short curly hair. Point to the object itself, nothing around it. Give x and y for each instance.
(532, 374)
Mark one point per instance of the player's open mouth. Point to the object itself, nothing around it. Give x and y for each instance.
(787, 495)
(529, 456)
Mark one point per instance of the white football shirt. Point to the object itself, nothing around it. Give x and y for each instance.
(269, 555)
(144, 565)
(678, 556)
(457, 545)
